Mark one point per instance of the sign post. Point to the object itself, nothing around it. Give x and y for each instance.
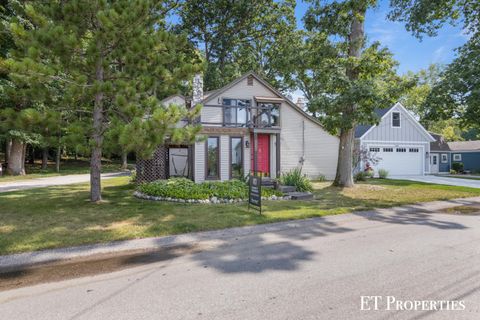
(255, 192)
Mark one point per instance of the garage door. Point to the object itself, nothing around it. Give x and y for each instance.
(402, 160)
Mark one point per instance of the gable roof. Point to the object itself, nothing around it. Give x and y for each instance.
(387, 111)
(439, 144)
(473, 145)
(361, 129)
(218, 92)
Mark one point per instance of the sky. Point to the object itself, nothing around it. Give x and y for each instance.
(410, 52)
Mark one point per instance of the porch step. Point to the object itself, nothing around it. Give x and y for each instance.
(300, 195)
(287, 189)
(268, 182)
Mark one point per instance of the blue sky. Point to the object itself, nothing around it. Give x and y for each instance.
(411, 53)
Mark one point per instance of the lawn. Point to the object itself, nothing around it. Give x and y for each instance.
(62, 216)
(67, 166)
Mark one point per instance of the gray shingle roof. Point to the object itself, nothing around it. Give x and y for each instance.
(439, 144)
(473, 145)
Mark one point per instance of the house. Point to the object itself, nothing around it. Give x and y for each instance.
(399, 141)
(443, 154)
(247, 122)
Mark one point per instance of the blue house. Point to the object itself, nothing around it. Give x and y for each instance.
(443, 154)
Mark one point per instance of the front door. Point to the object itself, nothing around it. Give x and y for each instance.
(263, 154)
(434, 163)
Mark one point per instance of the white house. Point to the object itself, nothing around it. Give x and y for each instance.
(400, 142)
(249, 120)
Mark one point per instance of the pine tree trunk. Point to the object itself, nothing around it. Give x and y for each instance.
(57, 159)
(16, 158)
(344, 176)
(124, 161)
(97, 137)
(44, 158)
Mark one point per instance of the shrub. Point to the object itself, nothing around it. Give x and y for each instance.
(370, 173)
(382, 174)
(361, 176)
(297, 179)
(182, 188)
(320, 178)
(453, 171)
(457, 166)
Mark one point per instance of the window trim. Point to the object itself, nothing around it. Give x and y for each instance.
(230, 154)
(455, 157)
(217, 177)
(247, 111)
(269, 113)
(399, 119)
(446, 158)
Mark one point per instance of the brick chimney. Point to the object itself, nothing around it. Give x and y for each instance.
(197, 89)
(300, 103)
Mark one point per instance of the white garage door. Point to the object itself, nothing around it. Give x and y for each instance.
(402, 160)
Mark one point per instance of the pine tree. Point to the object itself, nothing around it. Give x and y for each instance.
(112, 58)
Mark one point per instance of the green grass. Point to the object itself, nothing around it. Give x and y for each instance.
(67, 166)
(62, 216)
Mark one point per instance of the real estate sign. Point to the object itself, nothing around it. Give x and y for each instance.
(255, 192)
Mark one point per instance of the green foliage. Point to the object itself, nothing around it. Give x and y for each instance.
(453, 171)
(382, 174)
(297, 179)
(457, 166)
(182, 188)
(361, 176)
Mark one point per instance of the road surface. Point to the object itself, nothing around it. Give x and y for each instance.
(317, 270)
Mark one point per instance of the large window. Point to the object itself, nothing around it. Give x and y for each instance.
(268, 115)
(236, 157)
(213, 158)
(236, 112)
(396, 119)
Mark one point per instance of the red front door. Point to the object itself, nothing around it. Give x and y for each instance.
(263, 153)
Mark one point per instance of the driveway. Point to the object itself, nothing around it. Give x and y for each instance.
(53, 181)
(310, 269)
(442, 180)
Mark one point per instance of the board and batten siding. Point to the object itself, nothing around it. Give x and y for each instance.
(408, 131)
(301, 136)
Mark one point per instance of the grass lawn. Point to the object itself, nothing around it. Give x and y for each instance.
(67, 166)
(62, 216)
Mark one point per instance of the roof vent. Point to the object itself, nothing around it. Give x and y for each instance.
(250, 80)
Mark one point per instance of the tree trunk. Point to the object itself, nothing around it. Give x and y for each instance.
(16, 158)
(124, 161)
(57, 159)
(344, 176)
(97, 137)
(44, 158)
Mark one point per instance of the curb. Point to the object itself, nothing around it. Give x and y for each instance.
(13, 262)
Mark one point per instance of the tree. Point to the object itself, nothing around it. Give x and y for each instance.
(457, 95)
(111, 58)
(238, 36)
(352, 79)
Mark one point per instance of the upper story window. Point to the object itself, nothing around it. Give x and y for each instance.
(396, 119)
(268, 114)
(236, 112)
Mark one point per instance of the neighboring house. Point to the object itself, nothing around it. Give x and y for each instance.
(445, 153)
(246, 115)
(400, 142)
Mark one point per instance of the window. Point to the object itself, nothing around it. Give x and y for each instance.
(401, 149)
(236, 157)
(235, 112)
(387, 149)
(434, 160)
(374, 149)
(268, 115)
(413, 150)
(212, 158)
(457, 157)
(396, 119)
(444, 158)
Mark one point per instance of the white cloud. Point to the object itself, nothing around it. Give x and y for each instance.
(440, 54)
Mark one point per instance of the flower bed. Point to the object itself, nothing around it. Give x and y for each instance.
(187, 191)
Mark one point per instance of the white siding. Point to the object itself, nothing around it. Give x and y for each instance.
(199, 161)
(408, 130)
(318, 147)
(224, 157)
(246, 155)
(273, 156)
(174, 100)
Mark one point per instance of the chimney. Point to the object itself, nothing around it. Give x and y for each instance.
(300, 103)
(197, 94)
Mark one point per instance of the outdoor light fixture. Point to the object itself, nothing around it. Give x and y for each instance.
(247, 144)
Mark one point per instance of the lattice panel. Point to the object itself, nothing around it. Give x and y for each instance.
(156, 168)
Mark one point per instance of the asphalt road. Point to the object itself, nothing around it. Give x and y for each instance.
(318, 270)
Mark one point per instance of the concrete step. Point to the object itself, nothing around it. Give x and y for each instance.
(300, 195)
(287, 189)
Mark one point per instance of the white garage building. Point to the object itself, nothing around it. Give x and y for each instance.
(400, 142)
